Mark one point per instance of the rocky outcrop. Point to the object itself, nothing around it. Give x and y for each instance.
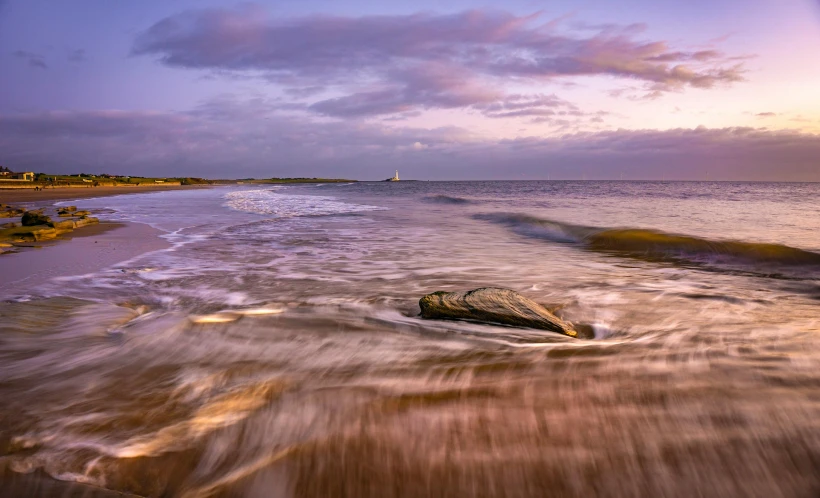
(63, 226)
(64, 214)
(84, 221)
(32, 234)
(44, 233)
(33, 218)
(10, 212)
(66, 211)
(36, 226)
(493, 305)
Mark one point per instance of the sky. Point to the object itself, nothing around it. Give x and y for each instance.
(519, 89)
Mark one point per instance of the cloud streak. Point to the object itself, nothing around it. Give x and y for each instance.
(392, 64)
(77, 55)
(33, 59)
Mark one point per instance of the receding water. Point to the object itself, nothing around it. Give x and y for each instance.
(275, 348)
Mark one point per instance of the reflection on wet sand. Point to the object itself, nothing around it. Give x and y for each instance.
(279, 405)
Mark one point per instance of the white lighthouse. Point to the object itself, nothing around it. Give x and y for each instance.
(395, 177)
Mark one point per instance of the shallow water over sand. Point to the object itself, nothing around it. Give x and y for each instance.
(275, 349)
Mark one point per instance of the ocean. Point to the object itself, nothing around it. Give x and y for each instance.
(275, 348)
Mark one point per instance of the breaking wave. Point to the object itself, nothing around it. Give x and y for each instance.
(446, 199)
(271, 202)
(650, 244)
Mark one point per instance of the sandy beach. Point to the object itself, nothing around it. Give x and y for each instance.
(86, 250)
(11, 196)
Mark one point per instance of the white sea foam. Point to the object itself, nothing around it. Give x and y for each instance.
(271, 202)
(215, 318)
(259, 311)
(227, 316)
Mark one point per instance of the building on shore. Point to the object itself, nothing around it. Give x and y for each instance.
(6, 174)
(395, 177)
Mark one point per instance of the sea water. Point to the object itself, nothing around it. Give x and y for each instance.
(275, 349)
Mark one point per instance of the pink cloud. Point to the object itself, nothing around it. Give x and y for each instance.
(389, 64)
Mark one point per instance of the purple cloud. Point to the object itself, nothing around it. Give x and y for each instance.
(305, 92)
(432, 85)
(529, 105)
(34, 60)
(68, 125)
(226, 137)
(702, 55)
(78, 55)
(390, 64)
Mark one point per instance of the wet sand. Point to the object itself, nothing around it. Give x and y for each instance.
(85, 250)
(284, 356)
(11, 196)
(41, 485)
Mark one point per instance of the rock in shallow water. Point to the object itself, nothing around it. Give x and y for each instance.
(493, 305)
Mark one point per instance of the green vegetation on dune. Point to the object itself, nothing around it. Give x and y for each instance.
(307, 180)
(104, 180)
(194, 181)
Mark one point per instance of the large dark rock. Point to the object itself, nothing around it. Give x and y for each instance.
(32, 218)
(493, 305)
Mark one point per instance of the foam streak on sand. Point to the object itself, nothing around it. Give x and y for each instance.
(87, 252)
(228, 316)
